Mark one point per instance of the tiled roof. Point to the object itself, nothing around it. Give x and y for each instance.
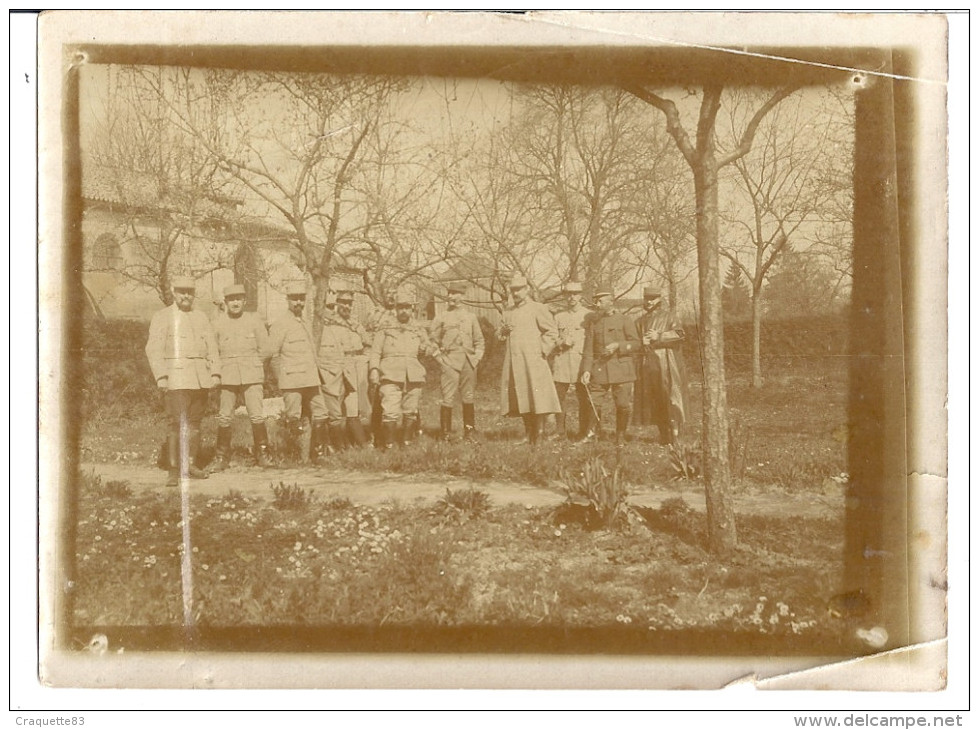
(128, 187)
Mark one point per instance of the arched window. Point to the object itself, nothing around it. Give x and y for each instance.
(107, 253)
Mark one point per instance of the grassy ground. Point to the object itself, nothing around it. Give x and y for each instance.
(292, 559)
(789, 435)
(289, 560)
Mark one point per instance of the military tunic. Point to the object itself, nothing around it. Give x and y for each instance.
(459, 339)
(614, 373)
(243, 344)
(394, 354)
(342, 359)
(294, 364)
(181, 348)
(566, 361)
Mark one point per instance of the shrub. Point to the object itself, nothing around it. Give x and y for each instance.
(464, 504)
(677, 518)
(115, 488)
(603, 492)
(685, 461)
(291, 497)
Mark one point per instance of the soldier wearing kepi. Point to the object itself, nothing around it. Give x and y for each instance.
(661, 386)
(608, 360)
(459, 348)
(183, 356)
(294, 365)
(343, 369)
(526, 385)
(566, 361)
(243, 344)
(398, 374)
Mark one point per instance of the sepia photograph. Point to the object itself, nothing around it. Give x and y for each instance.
(543, 350)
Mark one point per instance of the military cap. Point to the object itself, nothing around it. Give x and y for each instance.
(330, 299)
(401, 299)
(599, 293)
(183, 282)
(234, 290)
(572, 287)
(296, 288)
(519, 281)
(457, 287)
(651, 292)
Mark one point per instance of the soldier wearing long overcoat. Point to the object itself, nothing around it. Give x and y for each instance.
(526, 386)
(183, 356)
(661, 386)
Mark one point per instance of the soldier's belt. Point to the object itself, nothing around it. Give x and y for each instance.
(348, 353)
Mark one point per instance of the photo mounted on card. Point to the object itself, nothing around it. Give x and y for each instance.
(530, 350)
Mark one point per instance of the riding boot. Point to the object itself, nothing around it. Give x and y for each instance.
(338, 436)
(321, 441)
(355, 429)
(260, 439)
(223, 448)
(193, 449)
(584, 413)
(531, 424)
(377, 424)
(173, 456)
(389, 435)
(469, 421)
(410, 430)
(560, 426)
(445, 417)
(622, 418)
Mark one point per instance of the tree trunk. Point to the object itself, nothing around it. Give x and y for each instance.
(722, 532)
(756, 338)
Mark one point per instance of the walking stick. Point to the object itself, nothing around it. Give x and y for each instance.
(591, 403)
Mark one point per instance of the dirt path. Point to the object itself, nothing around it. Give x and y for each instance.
(379, 487)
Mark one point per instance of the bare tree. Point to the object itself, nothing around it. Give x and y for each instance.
(174, 202)
(779, 191)
(705, 160)
(315, 152)
(579, 156)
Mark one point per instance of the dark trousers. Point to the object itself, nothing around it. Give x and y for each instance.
(186, 407)
(583, 408)
(622, 396)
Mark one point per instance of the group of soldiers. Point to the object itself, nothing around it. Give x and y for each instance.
(356, 373)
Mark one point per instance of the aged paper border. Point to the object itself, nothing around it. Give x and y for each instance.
(218, 671)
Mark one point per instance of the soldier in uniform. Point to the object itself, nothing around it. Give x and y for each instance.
(183, 356)
(343, 369)
(459, 347)
(398, 375)
(294, 365)
(566, 360)
(243, 344)
(526, 386)
(661, 386)
(608, 360)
